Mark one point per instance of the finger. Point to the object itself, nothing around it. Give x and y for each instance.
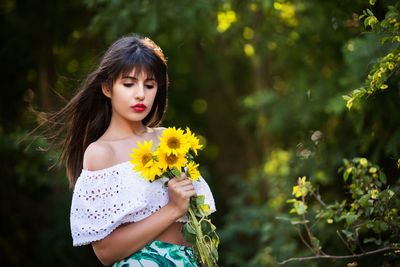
(180, 178)
(177, 179)
(187, 187)
(183, 175)
(172, 182)
(191, 193)
(184, 182)
(186, 194)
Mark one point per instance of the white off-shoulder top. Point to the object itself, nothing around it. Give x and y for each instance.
(104, 199)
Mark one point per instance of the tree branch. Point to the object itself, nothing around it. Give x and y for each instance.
(333, 257)
(309, 232)
(344, 242)
(318, 198)
(303, 240)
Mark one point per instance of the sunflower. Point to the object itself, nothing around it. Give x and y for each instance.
(194, 173)
(193, 141)
(169, 161)
(173, 141)
(151, 170)
(144, 162)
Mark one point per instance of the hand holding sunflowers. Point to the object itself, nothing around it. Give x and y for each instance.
(173, 156)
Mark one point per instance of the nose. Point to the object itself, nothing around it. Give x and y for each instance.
(139, 92)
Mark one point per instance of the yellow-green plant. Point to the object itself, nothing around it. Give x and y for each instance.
(387, 65)
(368, 216)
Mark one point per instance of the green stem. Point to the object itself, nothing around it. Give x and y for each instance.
(201, 247)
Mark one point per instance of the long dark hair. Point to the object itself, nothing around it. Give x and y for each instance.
(87, 115)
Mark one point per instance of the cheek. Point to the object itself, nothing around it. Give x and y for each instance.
(119, 101)
(116, 99)
(153, 94)
(121, 95)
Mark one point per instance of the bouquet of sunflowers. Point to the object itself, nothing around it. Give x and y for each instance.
(173, 156)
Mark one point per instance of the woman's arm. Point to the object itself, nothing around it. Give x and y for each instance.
(132, 237)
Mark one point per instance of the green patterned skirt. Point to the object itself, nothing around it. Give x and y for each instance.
(161, 254)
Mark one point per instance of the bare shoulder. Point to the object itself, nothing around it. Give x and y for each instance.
(98, 155)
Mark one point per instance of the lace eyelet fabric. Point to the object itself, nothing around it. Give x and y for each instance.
(103, 200)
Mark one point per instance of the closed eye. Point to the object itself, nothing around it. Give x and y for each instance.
(149, 86)
(128, 84)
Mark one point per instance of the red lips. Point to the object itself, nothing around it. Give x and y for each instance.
(139, 107)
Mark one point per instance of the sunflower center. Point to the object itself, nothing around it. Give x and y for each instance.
(146, 158)
(171, 159)
(173, 143)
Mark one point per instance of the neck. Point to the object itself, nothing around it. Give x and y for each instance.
(120, 128)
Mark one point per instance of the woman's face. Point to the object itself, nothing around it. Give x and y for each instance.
(132, 96)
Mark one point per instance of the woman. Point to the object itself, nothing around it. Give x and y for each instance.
(128, 221)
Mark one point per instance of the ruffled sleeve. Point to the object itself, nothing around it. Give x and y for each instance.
(102, 200)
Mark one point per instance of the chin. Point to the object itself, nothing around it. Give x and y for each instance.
(137, 117)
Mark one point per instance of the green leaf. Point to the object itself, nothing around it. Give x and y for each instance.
(350, 217)
(383, 226)
(189, 228)
(346, 97)
(349, 235)
(301, 208)
(298, 221)
(369, 225)
(315, 243)
(347, 173)
(189, 233)
(176, 172)
(215, 239)
(390, 193)
(363, 201)
(283, 218)
(382, 177)
(200, 200)
(191, 238)
(206, 226)
(372, 240)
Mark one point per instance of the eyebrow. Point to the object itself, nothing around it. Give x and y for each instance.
(134, 78)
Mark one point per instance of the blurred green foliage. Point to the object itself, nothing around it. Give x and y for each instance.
(366, 221)
(261, 81)
(386, 66)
